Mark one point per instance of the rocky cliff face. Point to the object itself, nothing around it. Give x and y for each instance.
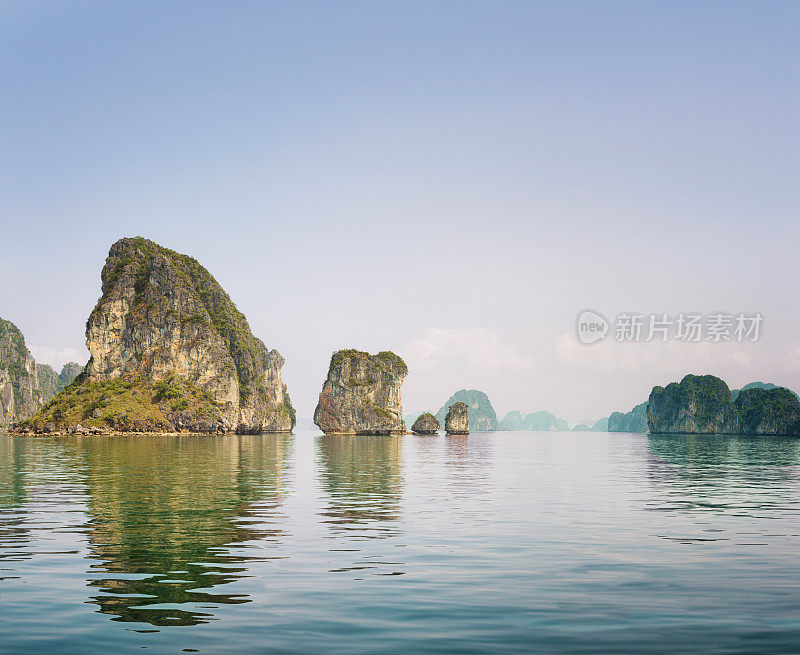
(426, 423)
(632, 421)
(6, 399)
(22, 391)
(773, 411)
(170, 351)
(361, 394)
(698, 404)
(457, 419)
(482, 416)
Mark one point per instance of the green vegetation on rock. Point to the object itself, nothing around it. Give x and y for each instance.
(698, 404)
(128, 404)
(426, 423)
(755, 385)
(772, 411)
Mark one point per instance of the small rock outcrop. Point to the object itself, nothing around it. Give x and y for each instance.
(698, 404)
(482, 416)
(772, 411)
(169, 352)
(457, 419)
(426, 423)
(632, 421)
(361, 394)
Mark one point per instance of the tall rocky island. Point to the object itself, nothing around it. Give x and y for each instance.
(701, 404)
(361, 394)
(457, 419)
(169, 352)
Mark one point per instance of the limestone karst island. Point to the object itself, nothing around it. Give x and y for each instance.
(169, 352)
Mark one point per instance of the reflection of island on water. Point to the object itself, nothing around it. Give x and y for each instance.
(362, 476)
(34, 471)
(468, 458)
(165, 513)
(14, 536)
(724, 472)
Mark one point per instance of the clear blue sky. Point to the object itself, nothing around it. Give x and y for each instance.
(453, 181)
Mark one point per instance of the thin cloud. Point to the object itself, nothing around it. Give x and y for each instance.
(476, 348)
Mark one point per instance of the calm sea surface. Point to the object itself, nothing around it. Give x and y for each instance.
(497, 542)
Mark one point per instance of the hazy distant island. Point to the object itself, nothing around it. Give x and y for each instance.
(169, 352)
(482, 416)
(361, 394)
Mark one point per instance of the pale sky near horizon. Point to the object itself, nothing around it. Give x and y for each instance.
(454, 181)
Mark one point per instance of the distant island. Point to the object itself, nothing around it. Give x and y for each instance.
(482, 417)
(636, 420)
(546, 421)
(702, 404)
